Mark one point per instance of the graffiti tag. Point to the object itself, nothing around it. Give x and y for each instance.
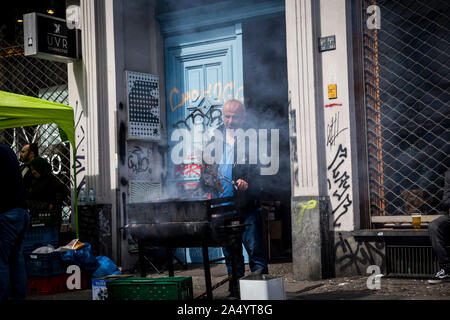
(187, 170)
(138, 160)
(364, 254)
(339, 183)
(311, 204)
(333, 130)
(215, 92)
(211, 119)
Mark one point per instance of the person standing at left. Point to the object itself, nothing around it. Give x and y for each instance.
(14, 221)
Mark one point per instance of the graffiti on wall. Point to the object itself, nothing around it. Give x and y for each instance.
(206, 115)
(80, 163)
(359, 254)
(192, 170)
(211, 118)
(338, 172)
(220, 93)
(139, 160)
(338, 185)
(293, 142)
(55, 161)
(334, 130)
(303, 206)
(143, 162)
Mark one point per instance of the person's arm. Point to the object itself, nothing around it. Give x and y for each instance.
(241, 177)
(249, 180)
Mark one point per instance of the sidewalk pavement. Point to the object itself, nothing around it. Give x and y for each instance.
(348, 288)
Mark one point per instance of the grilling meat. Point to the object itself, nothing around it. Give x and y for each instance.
(209, 177)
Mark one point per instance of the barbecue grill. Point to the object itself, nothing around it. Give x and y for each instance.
(173, 223)
(184, 222)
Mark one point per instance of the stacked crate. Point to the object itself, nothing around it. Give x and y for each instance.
(43, 229)
(46, 271)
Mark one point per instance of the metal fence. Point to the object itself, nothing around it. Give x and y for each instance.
(407, 95)
(36, 78)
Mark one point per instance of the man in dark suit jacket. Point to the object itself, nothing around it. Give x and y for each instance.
(439, 231)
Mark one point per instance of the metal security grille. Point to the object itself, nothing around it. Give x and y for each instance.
(406, 73)
(411, 261)
(37, 78)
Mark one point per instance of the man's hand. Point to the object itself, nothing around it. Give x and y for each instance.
(241, 185)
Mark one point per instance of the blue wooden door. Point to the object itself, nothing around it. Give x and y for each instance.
(203, 70)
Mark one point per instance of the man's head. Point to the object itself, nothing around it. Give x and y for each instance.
(233, 114)
(29, 152)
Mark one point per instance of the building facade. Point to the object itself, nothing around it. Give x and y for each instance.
(358, 91)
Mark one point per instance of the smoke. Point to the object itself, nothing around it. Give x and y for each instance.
(266, 89)
(265, 93)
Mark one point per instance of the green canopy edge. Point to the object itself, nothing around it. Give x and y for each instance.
(20, 111)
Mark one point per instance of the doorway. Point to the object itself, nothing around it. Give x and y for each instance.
(243, 60)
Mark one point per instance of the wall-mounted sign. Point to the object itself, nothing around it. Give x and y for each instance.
(327, 43)
(332, 91)
(143, 106)
(49, 38)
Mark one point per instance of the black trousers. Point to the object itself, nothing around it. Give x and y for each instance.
(439, 231)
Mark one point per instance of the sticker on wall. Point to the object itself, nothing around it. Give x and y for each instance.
(332, 91)
(144, 120)
(143, 191)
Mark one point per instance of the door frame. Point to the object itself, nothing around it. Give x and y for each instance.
(215, 15)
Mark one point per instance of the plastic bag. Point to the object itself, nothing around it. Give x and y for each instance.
(72, 245)
(81, 257)
(107, 267)
(45, 249)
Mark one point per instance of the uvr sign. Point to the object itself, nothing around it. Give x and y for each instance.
(47, 37)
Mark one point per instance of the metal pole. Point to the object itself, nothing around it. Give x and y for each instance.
(75, 191)
(206, 267)
(142, 258)
(233, 280)
(170, 262)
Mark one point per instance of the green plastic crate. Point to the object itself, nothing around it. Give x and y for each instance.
(164, 288)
